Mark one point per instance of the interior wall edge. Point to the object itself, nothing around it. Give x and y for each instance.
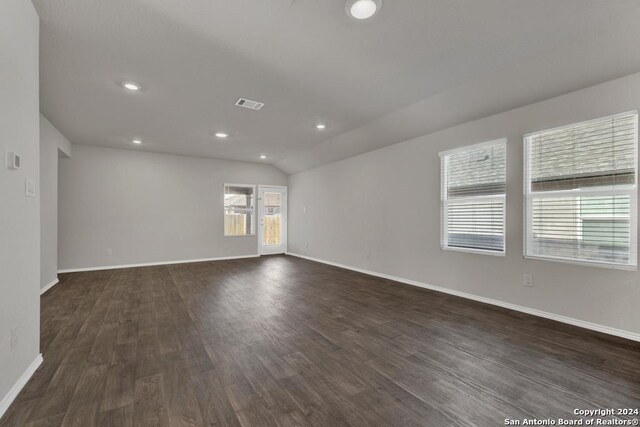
(53, 146)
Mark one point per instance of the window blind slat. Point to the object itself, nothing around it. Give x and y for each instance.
(598, 226)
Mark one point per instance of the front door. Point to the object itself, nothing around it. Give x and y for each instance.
(272, 214)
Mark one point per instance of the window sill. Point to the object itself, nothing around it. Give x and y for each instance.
(474, 251)
(583, 263)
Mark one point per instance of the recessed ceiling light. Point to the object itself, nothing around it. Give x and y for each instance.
(363, 9)
(132, 86)
(321, 126)
(137, 141)
(221, 135)
(263, 156)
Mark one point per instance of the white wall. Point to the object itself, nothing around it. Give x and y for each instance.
(52, 145)
(19, 215)
(380, 211)
(148, 207)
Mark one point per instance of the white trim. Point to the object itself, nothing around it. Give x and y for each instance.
(563, 260)
(535, 312)
(474, 251)
(149, 264)
(24, 378)
(49, 286)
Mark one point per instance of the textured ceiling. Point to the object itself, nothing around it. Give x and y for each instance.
(416, 67)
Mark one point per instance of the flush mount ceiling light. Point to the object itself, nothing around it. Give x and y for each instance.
(137, 141)
(132, 86)
(221, 135)
(263, 156)
(362, 9)
(321, 126)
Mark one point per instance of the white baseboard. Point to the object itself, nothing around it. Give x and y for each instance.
(559, 318)
(49, 286)
(13, 392)
(149, 264)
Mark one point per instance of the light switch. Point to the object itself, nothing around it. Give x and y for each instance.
(30, 188)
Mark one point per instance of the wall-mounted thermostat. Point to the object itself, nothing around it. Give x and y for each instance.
(13, 160)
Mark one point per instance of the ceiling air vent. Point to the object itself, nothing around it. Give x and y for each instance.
(247, 103)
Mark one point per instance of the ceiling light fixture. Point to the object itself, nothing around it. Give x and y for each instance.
(321, 126)
(132, 86)
(263, 156)
(363, 9)
(221, 135)
(137, 141)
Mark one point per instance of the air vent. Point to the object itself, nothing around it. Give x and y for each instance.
(247, 103)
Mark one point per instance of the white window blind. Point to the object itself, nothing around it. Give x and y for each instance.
(581, 194)
(473, 198)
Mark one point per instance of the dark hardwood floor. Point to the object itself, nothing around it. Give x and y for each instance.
(284, 341)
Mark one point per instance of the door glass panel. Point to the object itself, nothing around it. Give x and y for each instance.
(272, 219)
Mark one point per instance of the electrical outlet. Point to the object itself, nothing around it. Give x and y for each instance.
(527, 280)
(109, 252)
(14, 337)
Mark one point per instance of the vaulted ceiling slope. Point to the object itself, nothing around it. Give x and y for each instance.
(416, 67)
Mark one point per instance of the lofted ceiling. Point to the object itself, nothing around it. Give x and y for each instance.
(416, 67)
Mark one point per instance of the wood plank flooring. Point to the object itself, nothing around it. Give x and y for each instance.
(284, 341)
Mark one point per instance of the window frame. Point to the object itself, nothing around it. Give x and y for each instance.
(253, 210)
(528, 195)
(444, 223)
